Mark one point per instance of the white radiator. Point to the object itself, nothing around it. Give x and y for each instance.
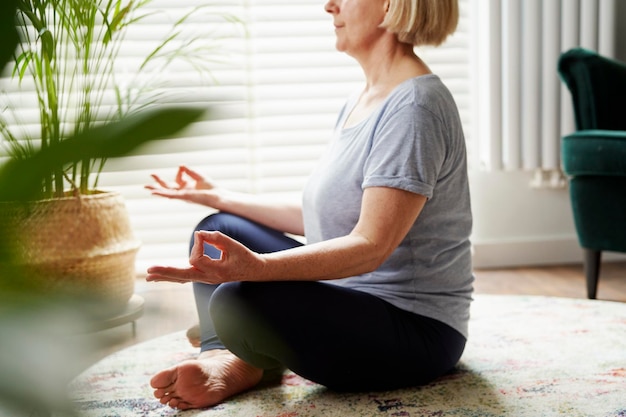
(522, 108)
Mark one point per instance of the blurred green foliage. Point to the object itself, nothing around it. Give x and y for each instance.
(36, 357)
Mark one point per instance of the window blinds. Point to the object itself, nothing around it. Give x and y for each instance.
(276, 86)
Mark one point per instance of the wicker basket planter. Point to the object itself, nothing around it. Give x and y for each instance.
(79, 246)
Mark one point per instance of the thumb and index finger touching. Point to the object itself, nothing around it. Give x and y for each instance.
(180, 180)
(185, 170)
(216, 239)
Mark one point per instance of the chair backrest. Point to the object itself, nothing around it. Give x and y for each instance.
(598, 88)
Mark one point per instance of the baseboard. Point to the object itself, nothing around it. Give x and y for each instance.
(532, 252)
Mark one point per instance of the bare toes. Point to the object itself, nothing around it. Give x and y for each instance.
(164, 379)
(165, 399)
(160, 393)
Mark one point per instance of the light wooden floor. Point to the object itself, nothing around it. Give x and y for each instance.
(170, 307)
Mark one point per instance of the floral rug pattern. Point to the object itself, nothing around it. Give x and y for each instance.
(526, 357)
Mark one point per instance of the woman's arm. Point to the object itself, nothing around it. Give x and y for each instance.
(192, 187)
(386, 216)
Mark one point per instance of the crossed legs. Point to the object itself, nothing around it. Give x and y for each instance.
(342, 338)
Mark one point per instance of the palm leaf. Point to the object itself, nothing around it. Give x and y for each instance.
(20, 179)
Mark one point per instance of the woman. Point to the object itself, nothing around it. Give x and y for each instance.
(379, 296)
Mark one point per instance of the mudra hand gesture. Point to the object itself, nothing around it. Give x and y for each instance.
(237, 263)
(188, 185)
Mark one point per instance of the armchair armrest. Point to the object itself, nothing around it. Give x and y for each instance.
(594, 152)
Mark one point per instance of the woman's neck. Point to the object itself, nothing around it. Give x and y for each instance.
(387, 67)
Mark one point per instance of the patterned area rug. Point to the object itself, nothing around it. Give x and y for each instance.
(527, 356)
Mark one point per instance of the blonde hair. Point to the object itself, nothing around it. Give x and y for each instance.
(422, 22)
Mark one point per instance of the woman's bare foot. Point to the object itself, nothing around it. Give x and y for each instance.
(206, 381)
(193, 335)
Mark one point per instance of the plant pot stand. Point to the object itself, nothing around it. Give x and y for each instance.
(129, 314)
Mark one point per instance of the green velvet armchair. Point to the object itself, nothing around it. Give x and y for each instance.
(594, 157)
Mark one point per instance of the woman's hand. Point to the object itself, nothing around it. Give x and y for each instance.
(237, 263)
(188, 185)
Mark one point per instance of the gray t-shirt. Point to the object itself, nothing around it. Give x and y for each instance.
(414, 141)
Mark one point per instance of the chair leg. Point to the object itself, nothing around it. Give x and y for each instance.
(592, 271)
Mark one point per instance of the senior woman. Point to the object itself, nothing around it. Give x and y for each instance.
(379, 296)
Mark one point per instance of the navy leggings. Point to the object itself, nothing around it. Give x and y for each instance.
(342, 338)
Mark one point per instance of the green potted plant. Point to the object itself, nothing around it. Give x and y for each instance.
(75, 236)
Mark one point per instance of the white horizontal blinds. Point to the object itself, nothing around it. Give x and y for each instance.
(526, 109)
(218, 146)
(273, 101)
(299, 83)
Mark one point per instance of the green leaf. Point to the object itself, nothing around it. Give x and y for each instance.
(8, 32)
(20, 180)
(22, 62)
(47, 43)
(116, 22)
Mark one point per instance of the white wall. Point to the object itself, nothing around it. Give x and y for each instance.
(517, 225)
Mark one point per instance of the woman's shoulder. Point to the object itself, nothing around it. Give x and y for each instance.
(422, 90)
(427, 92)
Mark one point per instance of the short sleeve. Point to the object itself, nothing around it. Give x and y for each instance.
(407, 150)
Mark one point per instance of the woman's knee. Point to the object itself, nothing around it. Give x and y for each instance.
(230, 309)
(241, 326)
(221, 298)
(219, 221)
(233, 302)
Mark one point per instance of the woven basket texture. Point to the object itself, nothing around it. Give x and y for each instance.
(78, 245)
